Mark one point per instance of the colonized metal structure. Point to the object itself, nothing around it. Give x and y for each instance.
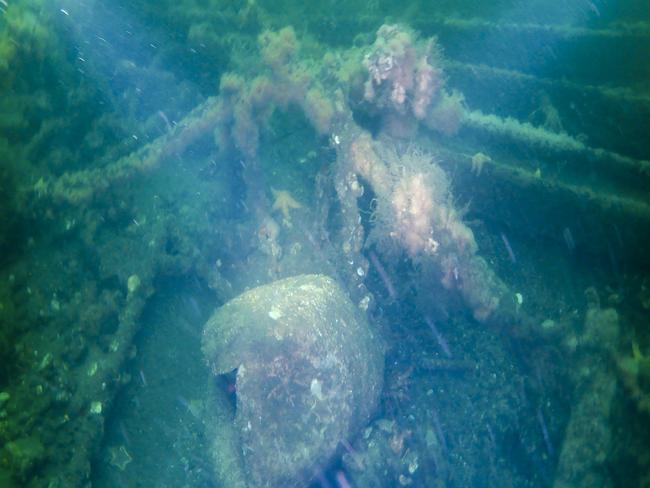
(508, 116)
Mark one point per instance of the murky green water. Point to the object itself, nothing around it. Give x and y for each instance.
(326, 244)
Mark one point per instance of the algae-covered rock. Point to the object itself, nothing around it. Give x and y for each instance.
(23, 455)
(308, 375)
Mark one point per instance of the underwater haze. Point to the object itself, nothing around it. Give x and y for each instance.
(334, 244)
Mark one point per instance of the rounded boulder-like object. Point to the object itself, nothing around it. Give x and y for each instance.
(309, 373)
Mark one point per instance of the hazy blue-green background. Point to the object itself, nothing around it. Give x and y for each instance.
(105, 384)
